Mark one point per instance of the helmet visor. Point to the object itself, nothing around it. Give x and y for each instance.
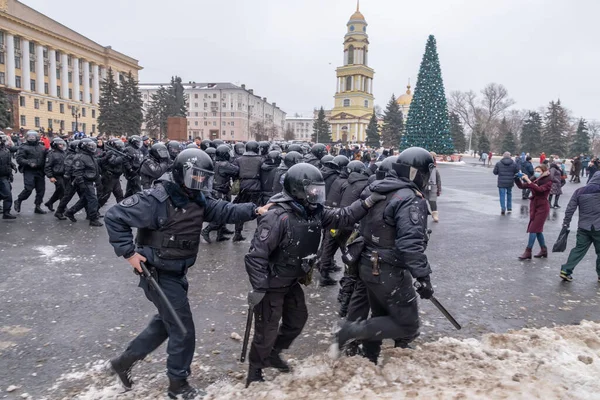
(315, 193)
(198, 179)
(163, 153)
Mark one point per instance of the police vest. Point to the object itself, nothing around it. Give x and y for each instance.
(334, 196)
(250, 167)
(373, 228)
(179, 237)
(295, 256)
(221, 179)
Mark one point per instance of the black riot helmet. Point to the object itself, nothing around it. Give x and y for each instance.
(87, 145)
(319, 150)
(264, 147)
(274, 157)
(275, 146)
(193, 169)
(73, 145)
(192, 146)
(415, 164)
(159, 152)
(32, 137)
(216, 143)
(295, 147)
(117, 144)
(3, 139)
(212, 153)
(326, 160)
(356, 166)
(305, 184)
(292, 158)
(135, 141)
(305, 148)
(239, 148)
(385, 168)
(252, 146)
(340, 161)
(205, 144)
(174, 148)
(223, 153)
(58, 144)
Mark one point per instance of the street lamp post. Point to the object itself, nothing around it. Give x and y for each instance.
(75, 114)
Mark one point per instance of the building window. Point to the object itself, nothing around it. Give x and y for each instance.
(348, 83)
(366, 103)
(94, 128)
(214, 123)
(195, 105)
(196, 123)
(83, 112)
(32, 65)
(80, 96)
(224, 105)
(205, 123)
(58, 91)
(70, 77)
(195, 114)
(49, 106)
(70, 93)
(46, 88)
(224, 123)
(31, 48)
(351, 54)
(32, 85)
(83, 127)
(69, 60)
(232, 114)
(214, 114)
(37, 122)
(346, 102)
(1, 57)
(196, 95)
(93, 113)
(205, 105)
(57, 73)
(232, 123)
(45, 70)
(22, 101)
(231, 133)
(1, 38)
(214, 95)
(49, 122)
(36, 104)
(61, 108)
(23, 121)
(18, 62)
(18, 82)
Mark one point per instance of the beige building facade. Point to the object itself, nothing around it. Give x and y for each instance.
(301, 126)
(51, 72)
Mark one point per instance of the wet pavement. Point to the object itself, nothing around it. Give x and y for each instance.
(66, 300)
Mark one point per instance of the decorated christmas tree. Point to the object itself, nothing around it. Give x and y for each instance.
(428, 124)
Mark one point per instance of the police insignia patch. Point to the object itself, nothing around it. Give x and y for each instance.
(131, 201)
(264, 234)
(414, 215)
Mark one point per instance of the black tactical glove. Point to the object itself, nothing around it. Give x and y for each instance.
(424, 287)
(373, 198)
(254, 298)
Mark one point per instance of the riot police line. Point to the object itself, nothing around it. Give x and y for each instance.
(308, 205)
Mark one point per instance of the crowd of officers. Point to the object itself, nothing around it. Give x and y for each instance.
(309, 204)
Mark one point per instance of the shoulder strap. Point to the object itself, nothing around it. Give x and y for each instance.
(159, 193)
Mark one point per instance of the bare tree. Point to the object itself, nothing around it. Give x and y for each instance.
(594, 129)
(272, 132)
(288, 135)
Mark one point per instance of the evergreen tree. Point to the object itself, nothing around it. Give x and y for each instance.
(373, 132)
(288, 134)
(130, 106)
(165, 103)
(321, 129)
(556, 130)
(581, 142)
(483, 142)
(6, 119)
(508, 138)
(458, 133)
(109, 122)
(427, 124)
(393, 124)
(531, 134)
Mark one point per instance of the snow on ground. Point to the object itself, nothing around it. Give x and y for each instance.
(548, 363)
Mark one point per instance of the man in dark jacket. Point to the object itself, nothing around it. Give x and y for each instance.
(395, 239)
(173, 209)
(54, 169)
(70, 189)
(146, 145)
(586, 199)
(291, 158)
(155, 165)
(527, 169)
(111, 165)
(31, 157)
(316, 153)
(132, 165)
(268, 173)
(506, 170)
(6, 177)
(249, 164)
(330, 171)
(281, 256)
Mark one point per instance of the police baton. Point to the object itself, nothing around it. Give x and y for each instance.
(440, 307)
(163, 298)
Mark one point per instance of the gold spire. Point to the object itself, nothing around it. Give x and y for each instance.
(357, 5)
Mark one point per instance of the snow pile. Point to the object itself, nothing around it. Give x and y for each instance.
(547, 363)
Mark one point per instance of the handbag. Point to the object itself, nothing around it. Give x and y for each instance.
(561, 242)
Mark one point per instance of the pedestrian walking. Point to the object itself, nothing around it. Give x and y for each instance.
(490, 155)
(539, 208)
(585, 162)
(556, 176)
(433, 190)
(542, 157)
(527, 169)
(31, 158)
(484, 157)
(505, 169)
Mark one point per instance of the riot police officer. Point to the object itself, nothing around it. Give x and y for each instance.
(238, 150)
(268, 172)
(31, 157)
(70, 189)
(264, 149)
(111, 165)
(6, 177)
(249, 164)
(330, 171)
(281, 256)
(394, 253)
(54, 169)
(86, 173)
(317, 152)
(155, 165)
(169, 219)
(132, 165)
(174, 148)
(225, 171)
(212, 153)
(291, 158)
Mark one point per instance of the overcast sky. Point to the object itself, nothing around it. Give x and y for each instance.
(287, 50)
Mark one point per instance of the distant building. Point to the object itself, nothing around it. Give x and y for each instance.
(51, 72)
(223, 111)
(301, 126)
(404, 102)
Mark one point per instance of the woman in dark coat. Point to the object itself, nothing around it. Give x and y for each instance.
(539, 208)
(556, 177)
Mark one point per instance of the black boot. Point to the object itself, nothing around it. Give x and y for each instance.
(254, 375)
(227, 231)
(121, 366)
(238, 237)
(8, 215)
(277, 362)
(69, 214)
(17, 205)
(38, 210)
(206, 235)
(49, 206)
(351, 331)
(60, 216)
(326, 279)
(95, 222)
(181, 389)
(221, 235)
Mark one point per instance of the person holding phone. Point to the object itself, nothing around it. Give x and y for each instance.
(539, 208)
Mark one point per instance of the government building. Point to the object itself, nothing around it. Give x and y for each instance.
(222, 110)
(51, 73)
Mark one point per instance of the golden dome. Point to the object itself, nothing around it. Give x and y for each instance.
(406, 98)
(357, 15)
